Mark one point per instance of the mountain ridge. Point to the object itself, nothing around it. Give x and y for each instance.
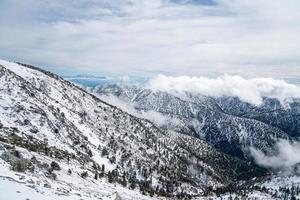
(201, 117)
(76, 127)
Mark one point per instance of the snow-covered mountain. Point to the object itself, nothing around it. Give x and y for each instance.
(59, 140)
(271, 112)
(227, 123)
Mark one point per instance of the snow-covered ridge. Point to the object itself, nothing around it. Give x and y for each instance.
(227, 123)
(59, 133)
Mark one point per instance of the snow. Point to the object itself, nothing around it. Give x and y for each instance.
(15, 186)
(100, 123)
(65, 99)
(282, 181)
(16, 68)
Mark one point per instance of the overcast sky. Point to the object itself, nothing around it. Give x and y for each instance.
(173, 37)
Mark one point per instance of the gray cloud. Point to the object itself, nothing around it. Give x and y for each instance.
(259, 37)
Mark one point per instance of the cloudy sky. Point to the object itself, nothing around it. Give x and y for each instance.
(172, 37)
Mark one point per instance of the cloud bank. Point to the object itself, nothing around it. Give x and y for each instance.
(249, 90)
(190, 37)
(286, 156)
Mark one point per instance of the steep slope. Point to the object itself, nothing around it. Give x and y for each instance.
(272, 112)
(53, 129)
(203, 117)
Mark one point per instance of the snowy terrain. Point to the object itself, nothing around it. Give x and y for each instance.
(17, 186)
(227, 123)
(58, 141)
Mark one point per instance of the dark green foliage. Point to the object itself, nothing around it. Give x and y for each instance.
(34, 130)
(90, 153)
(104, 152)
(124, 181)
(113, 176)
(96, 175)
(112, 159)
(33, 160)
(35, 145)
(84, 174)
(54, 166)
(132, 184)
(95, 167)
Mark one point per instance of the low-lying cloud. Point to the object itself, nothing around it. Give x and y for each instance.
(248, 90)
(286, 156)
(151, 115)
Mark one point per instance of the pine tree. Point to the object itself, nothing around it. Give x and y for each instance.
(96, 174)
(124, 182)
(104, 152)
(110, 177)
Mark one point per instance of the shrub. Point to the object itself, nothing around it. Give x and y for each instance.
(90, 153)
(104, 152)
(19, 165)
(84, 174)
(14, 158)
(33, 160)
(54, 166)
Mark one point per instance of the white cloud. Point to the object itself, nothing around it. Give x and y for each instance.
(248, 90)
(258, 37)
(151, 115)
(285, 157)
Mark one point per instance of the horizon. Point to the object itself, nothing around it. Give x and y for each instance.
(140, 78)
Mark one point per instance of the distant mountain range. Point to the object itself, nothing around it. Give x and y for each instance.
(88, 80)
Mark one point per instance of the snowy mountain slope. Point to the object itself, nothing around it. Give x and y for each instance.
(272, 112)
(15, 185)
(52, 129)
(203, 117)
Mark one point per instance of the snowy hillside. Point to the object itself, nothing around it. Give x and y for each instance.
(231, 125)
(219, 121)
(57, 139)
